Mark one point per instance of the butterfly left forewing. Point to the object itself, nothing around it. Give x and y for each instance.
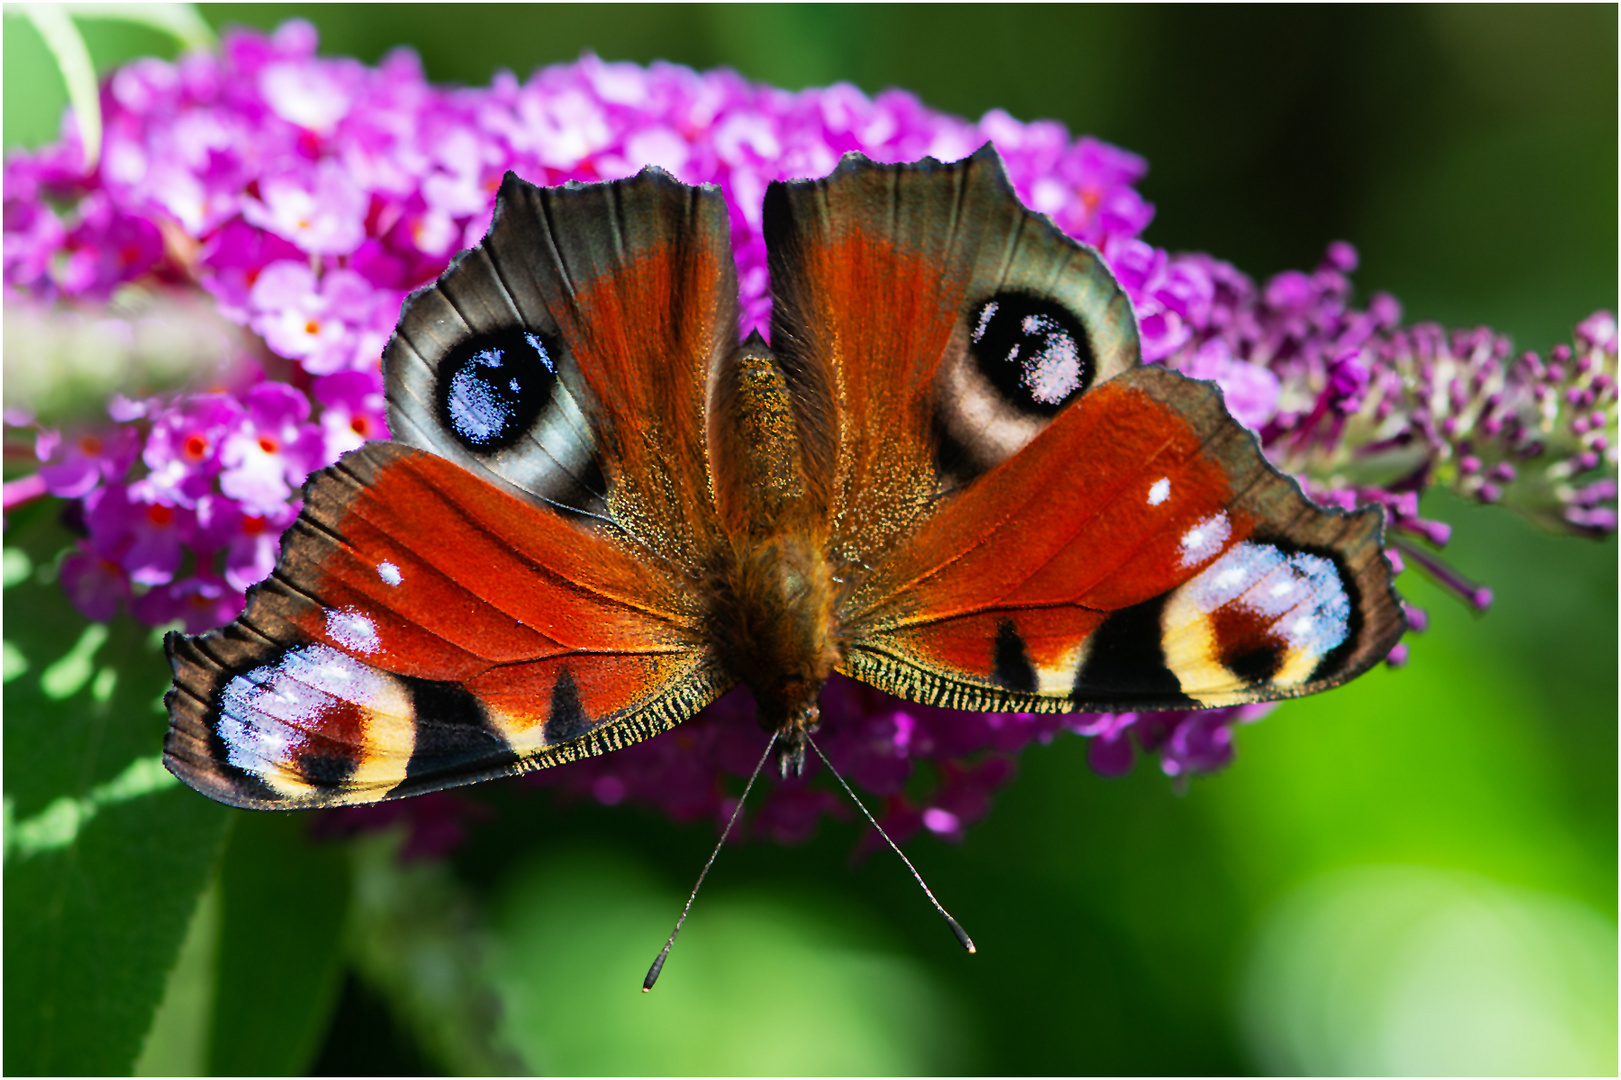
(512, 583)
(621, 298)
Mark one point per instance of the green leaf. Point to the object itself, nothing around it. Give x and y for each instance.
(284, 899)
(73, 61)
(183, 22)
(419, 940)
(105, 853)
(177, 1044)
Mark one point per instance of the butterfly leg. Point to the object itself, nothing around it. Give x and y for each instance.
(791, 740)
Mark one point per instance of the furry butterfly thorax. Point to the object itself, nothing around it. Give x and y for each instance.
(948, 475)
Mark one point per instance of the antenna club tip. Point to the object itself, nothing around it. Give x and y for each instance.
(971, 948)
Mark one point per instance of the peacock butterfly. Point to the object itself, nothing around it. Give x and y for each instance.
(949, 475)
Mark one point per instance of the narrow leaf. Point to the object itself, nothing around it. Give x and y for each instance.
(73, 60)
(105, 855)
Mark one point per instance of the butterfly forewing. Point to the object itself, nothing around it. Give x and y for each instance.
(886, 282)
(519, 590)
(614, 303)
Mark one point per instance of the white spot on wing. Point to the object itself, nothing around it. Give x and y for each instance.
(1159, 491)
(266, 714)
(985, 319)
(1054, 373)
(389, 573)
(353, 630)
(1205, 539)
(1300, 594)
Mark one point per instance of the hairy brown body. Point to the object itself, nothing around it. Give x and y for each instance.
(773, 599)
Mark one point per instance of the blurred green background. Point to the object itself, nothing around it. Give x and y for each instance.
(1414, 874)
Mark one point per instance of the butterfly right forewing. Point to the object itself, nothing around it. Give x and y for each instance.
(1042, 523)
(875, 271)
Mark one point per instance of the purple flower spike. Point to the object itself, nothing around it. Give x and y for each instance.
(354, 411)
(182, 450)
(97, 586)
(326, 324)
(1476, 596)
(198, 603)
(137, 529)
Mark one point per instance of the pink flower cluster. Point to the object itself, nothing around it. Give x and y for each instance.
(1366, 411)
(183, 538)
(307, 196)
(310, 194)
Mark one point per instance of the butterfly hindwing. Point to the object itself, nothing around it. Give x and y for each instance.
(1138, 554)
(372, 665)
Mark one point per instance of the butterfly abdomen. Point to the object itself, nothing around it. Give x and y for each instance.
(773, 624)
(773, 593)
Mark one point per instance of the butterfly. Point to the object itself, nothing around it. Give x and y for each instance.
(948, 475)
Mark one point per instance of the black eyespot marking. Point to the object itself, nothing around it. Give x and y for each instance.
(1126, 661)
(1259, 664)
(1013, 668)
(491, 388)
(451, 732)
(1032, 350)
(567, 721)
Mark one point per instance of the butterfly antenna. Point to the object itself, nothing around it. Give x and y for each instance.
(956, 928)
(658, 965)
